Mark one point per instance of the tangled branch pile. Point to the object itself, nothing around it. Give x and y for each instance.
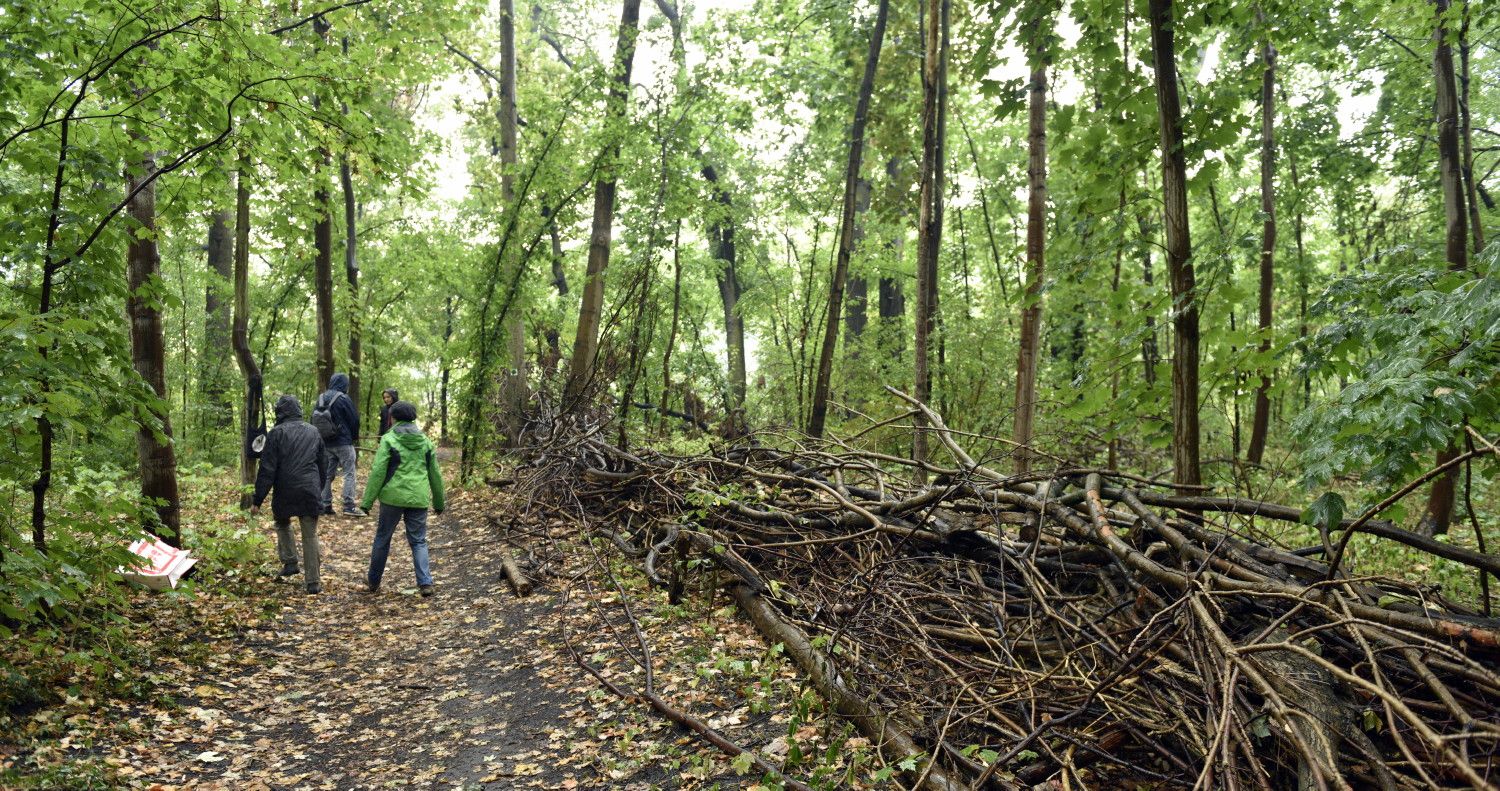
(1002, 630)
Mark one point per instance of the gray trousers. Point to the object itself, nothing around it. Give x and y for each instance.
(286, 547)
(340, 459)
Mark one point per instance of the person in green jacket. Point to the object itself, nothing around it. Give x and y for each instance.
(405, 478)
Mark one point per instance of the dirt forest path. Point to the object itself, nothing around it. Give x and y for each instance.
(468, 689)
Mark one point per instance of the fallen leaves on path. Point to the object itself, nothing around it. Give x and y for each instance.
(470, 689)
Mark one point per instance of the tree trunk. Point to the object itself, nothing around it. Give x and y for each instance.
(721, 235)
(890, 296)
(666, 359)
(513, 387)
(218, 412)
(846, 226)
(323, 257)
(1185, 468)
(250, 417)
(1471, 194)
(1261, 422)
(1450, 171)
(1036, 243)
(447, 368)
(154, 451)
(590, 309)
(929, 211)
(351, 273)
(857, 314)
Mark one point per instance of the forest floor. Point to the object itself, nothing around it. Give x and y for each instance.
(473, 688)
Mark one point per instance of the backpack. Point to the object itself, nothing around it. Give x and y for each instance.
(322, 417)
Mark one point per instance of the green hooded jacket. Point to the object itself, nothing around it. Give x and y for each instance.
(406, 471)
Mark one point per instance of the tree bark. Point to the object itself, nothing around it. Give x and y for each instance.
(154, 451)
(1185, 467)
(218, 412)
(721, 236)
(1440, 500)
(591, 307)
(240, 332)
(857, 314)
(513, 384)
(447, 369)
(929, 212)
(846, 226)
(666, 358)
(351, 274)
(1036, 243)
(1261, 422)
(1471, 194)
(323, 255)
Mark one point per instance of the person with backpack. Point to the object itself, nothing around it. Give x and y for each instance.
(294, 463)
(405, 478)
(335, 417)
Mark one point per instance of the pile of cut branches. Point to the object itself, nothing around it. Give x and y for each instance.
(987, 630)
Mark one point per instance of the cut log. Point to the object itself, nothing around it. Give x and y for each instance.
(513, 575)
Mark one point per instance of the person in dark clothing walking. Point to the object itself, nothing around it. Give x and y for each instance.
(406, 479)
(341, 458)
(295, 464)
(388, 397)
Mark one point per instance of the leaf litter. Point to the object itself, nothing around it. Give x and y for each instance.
(272, 688)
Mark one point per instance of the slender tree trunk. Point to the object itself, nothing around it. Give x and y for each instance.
(721, 236)
(323, 256)
(857, 312)
(158, 460)
(666, 360)
(1036, 243)
(1440, 500)
(513, 387)
(929, 212)
(1471, 194)
(448, 311)
(351, 274)
(1185, 468)
(846, 226)
(1149, 353)
(1261, 422)
(590, 310)
(890, 296)
(250, 416)
(214, 387)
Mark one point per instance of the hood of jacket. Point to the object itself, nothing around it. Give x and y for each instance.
(339, 382)
(409, 437)
(391, 391)
(288, 408)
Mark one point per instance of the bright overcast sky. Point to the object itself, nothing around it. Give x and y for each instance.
(439, 114)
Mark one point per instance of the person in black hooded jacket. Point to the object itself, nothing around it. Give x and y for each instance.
(388, 397)
(295, 464)
(341, 455)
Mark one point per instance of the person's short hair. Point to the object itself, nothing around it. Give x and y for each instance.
(404, 411)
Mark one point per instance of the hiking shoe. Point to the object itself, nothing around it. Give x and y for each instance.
(327, 511)
(314, 589)
(355, 512)
(289, 571)
(369, 589)
(425, 590)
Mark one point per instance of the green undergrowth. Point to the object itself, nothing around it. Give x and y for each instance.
(77, 632)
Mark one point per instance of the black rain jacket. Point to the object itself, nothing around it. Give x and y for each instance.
(386, 421)
(345, 416)
(293, 463)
